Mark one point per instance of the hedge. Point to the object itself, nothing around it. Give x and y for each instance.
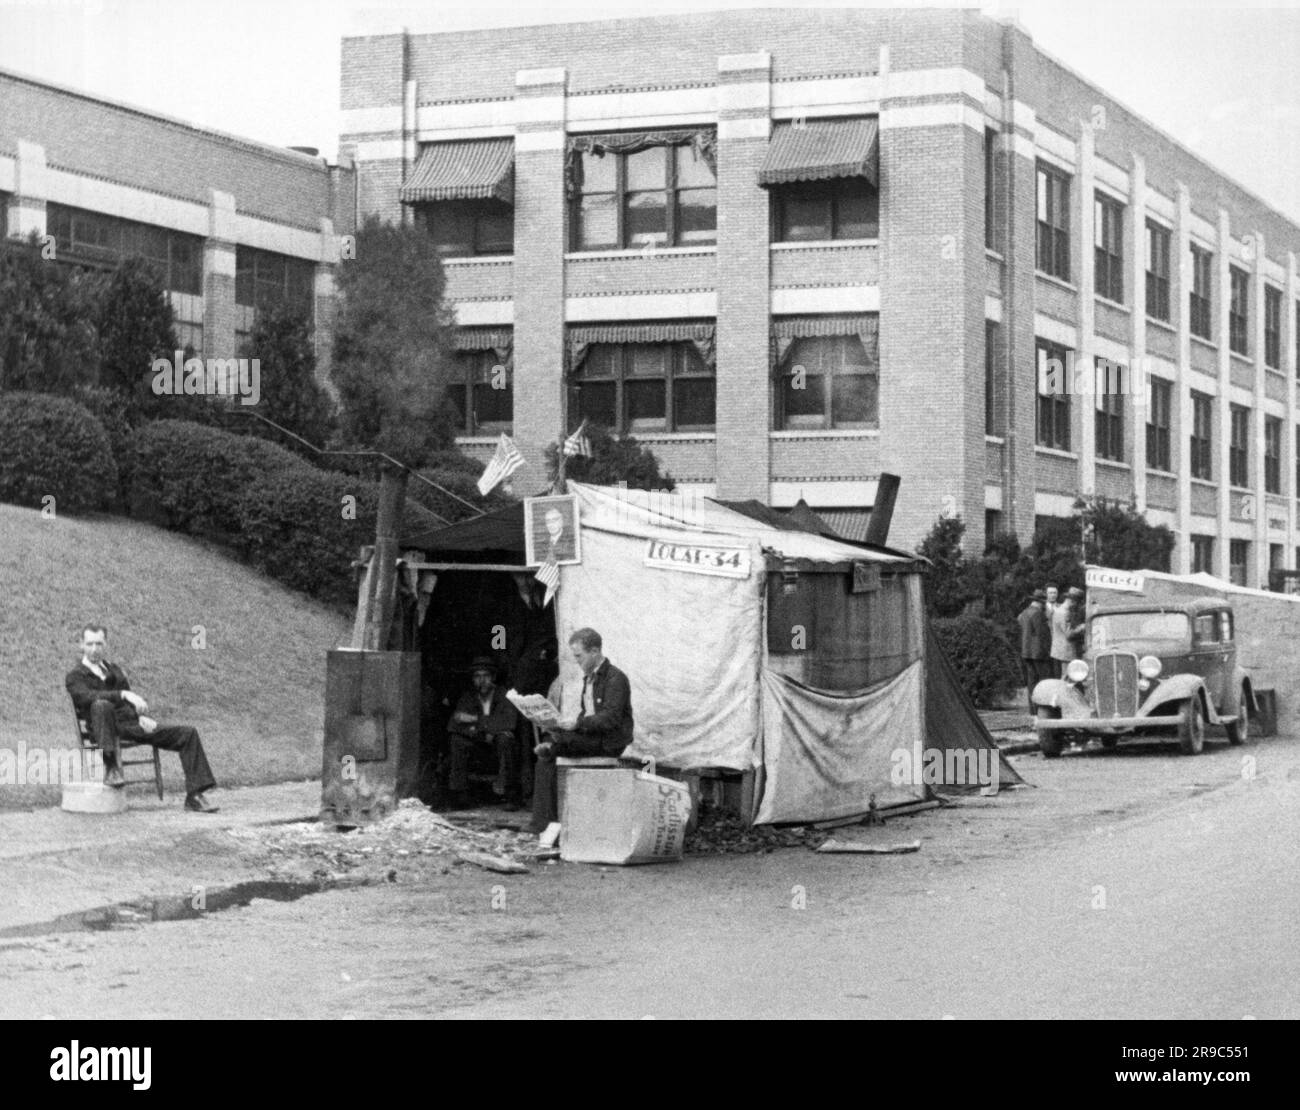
(987, 666)
(52, 446)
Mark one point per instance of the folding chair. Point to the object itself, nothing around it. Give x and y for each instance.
(87, 745)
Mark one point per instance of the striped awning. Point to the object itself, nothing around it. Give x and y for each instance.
(482, 169)
(699, 333)
(820, 149)
(850, 524)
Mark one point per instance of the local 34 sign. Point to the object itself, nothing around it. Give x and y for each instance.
(1127, 580)
(698, 558)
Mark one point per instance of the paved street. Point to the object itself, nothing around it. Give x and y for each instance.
(1136, 884)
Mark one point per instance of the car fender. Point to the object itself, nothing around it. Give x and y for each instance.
(1178, 688)
(1239, 679)
(1062, 695)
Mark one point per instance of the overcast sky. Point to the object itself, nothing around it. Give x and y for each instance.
(1221, 78)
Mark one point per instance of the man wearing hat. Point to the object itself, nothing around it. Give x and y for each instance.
(483, 718)
(1035, 643)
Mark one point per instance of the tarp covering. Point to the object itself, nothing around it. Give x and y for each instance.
(819, 149)
(952, 722)
(689, 642)
(496, 537)
(479, 169)
(828, 755)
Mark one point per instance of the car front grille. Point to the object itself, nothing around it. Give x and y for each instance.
(1115, 680)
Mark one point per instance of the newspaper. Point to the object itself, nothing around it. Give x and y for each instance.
(536, 708)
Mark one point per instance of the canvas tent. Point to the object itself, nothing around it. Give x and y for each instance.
(751, 645)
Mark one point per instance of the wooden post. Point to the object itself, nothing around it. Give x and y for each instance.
(388, 523)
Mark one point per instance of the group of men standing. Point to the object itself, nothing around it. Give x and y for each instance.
(1051, 635)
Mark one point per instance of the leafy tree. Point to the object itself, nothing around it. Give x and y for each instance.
(947, 583)
(47, 314)
(612, 460)
(291, 395)
(393, 357)
(136, 326)
(1117, 535)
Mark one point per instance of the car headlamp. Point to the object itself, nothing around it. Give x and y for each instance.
(1076, 670)
(1149, 666)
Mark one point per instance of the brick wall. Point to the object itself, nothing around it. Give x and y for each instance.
(851, 459)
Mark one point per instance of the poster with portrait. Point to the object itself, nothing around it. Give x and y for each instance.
(551, 530)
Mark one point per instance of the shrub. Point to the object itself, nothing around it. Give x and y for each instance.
(296, 526)
(190, 477)
(54, 446)
(463, 484)
(987, 666)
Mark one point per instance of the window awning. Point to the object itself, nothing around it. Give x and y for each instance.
(866, 326)
(821, 149)
(700, 333)
(482, 169)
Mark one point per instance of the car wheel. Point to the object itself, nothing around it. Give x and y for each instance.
(1049, 741)
(1110, 743)
(1191, 728)
(1239, 730)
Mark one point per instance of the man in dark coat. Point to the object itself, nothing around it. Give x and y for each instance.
(1035, 643)
(113, 712)
(600, 725)
(484, 718)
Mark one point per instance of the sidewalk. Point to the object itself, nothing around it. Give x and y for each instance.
(54, 863)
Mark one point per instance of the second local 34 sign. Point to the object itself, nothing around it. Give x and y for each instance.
(1129, 580)
(698, 558)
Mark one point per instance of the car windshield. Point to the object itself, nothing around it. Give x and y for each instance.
(1154, 631)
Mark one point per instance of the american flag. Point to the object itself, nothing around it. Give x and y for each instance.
(503, 463)
(548, 574)
(578, 443)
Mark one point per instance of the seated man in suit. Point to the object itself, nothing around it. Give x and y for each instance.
(112, 711)
(484, 718)
(601, 724)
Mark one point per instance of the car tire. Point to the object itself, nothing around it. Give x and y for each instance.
(1239, 730)
(1191, 728)
(1049, 743)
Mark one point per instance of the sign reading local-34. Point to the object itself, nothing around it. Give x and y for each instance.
(698, 558)
(1129, 580)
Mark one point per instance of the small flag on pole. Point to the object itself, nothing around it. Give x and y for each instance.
(578, 443)
(504, 462)
(548, 574)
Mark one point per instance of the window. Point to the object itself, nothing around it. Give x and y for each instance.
(1053, 222)
(641, 387)
(1272, 327)
(1160, 426)
(991, 422)
(1157, 271)
(264, 279)
(1198, 299)
(1276, 557)
(828, 382)
(1202, 436)
(464, 228)
(844, 208)
(1202, 554)
(1108, 243)
(85, 237)
(1272, 454)
(1239, 290)
(1239, 446)
(990, 150)
(1109, 416)
(658, 196)
(1238, 560)
(482, 393)
(1053, 399)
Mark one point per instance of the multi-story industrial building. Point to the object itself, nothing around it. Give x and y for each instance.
(232, 225)
(793, 249)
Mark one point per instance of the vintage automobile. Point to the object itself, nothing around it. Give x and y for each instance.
(1149, 667)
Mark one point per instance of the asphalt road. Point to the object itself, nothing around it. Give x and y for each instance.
(1140, 883)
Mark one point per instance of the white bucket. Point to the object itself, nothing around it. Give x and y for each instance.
(93, 797)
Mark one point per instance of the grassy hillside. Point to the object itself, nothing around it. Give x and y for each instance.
(255, 692)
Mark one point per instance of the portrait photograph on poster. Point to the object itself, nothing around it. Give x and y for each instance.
(551, 530)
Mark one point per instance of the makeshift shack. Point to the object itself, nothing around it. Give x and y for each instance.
(753, 646)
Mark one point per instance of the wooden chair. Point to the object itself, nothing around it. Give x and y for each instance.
(87, 745)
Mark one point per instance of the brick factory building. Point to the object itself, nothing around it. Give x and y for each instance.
(793, 249)
(233, 225)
